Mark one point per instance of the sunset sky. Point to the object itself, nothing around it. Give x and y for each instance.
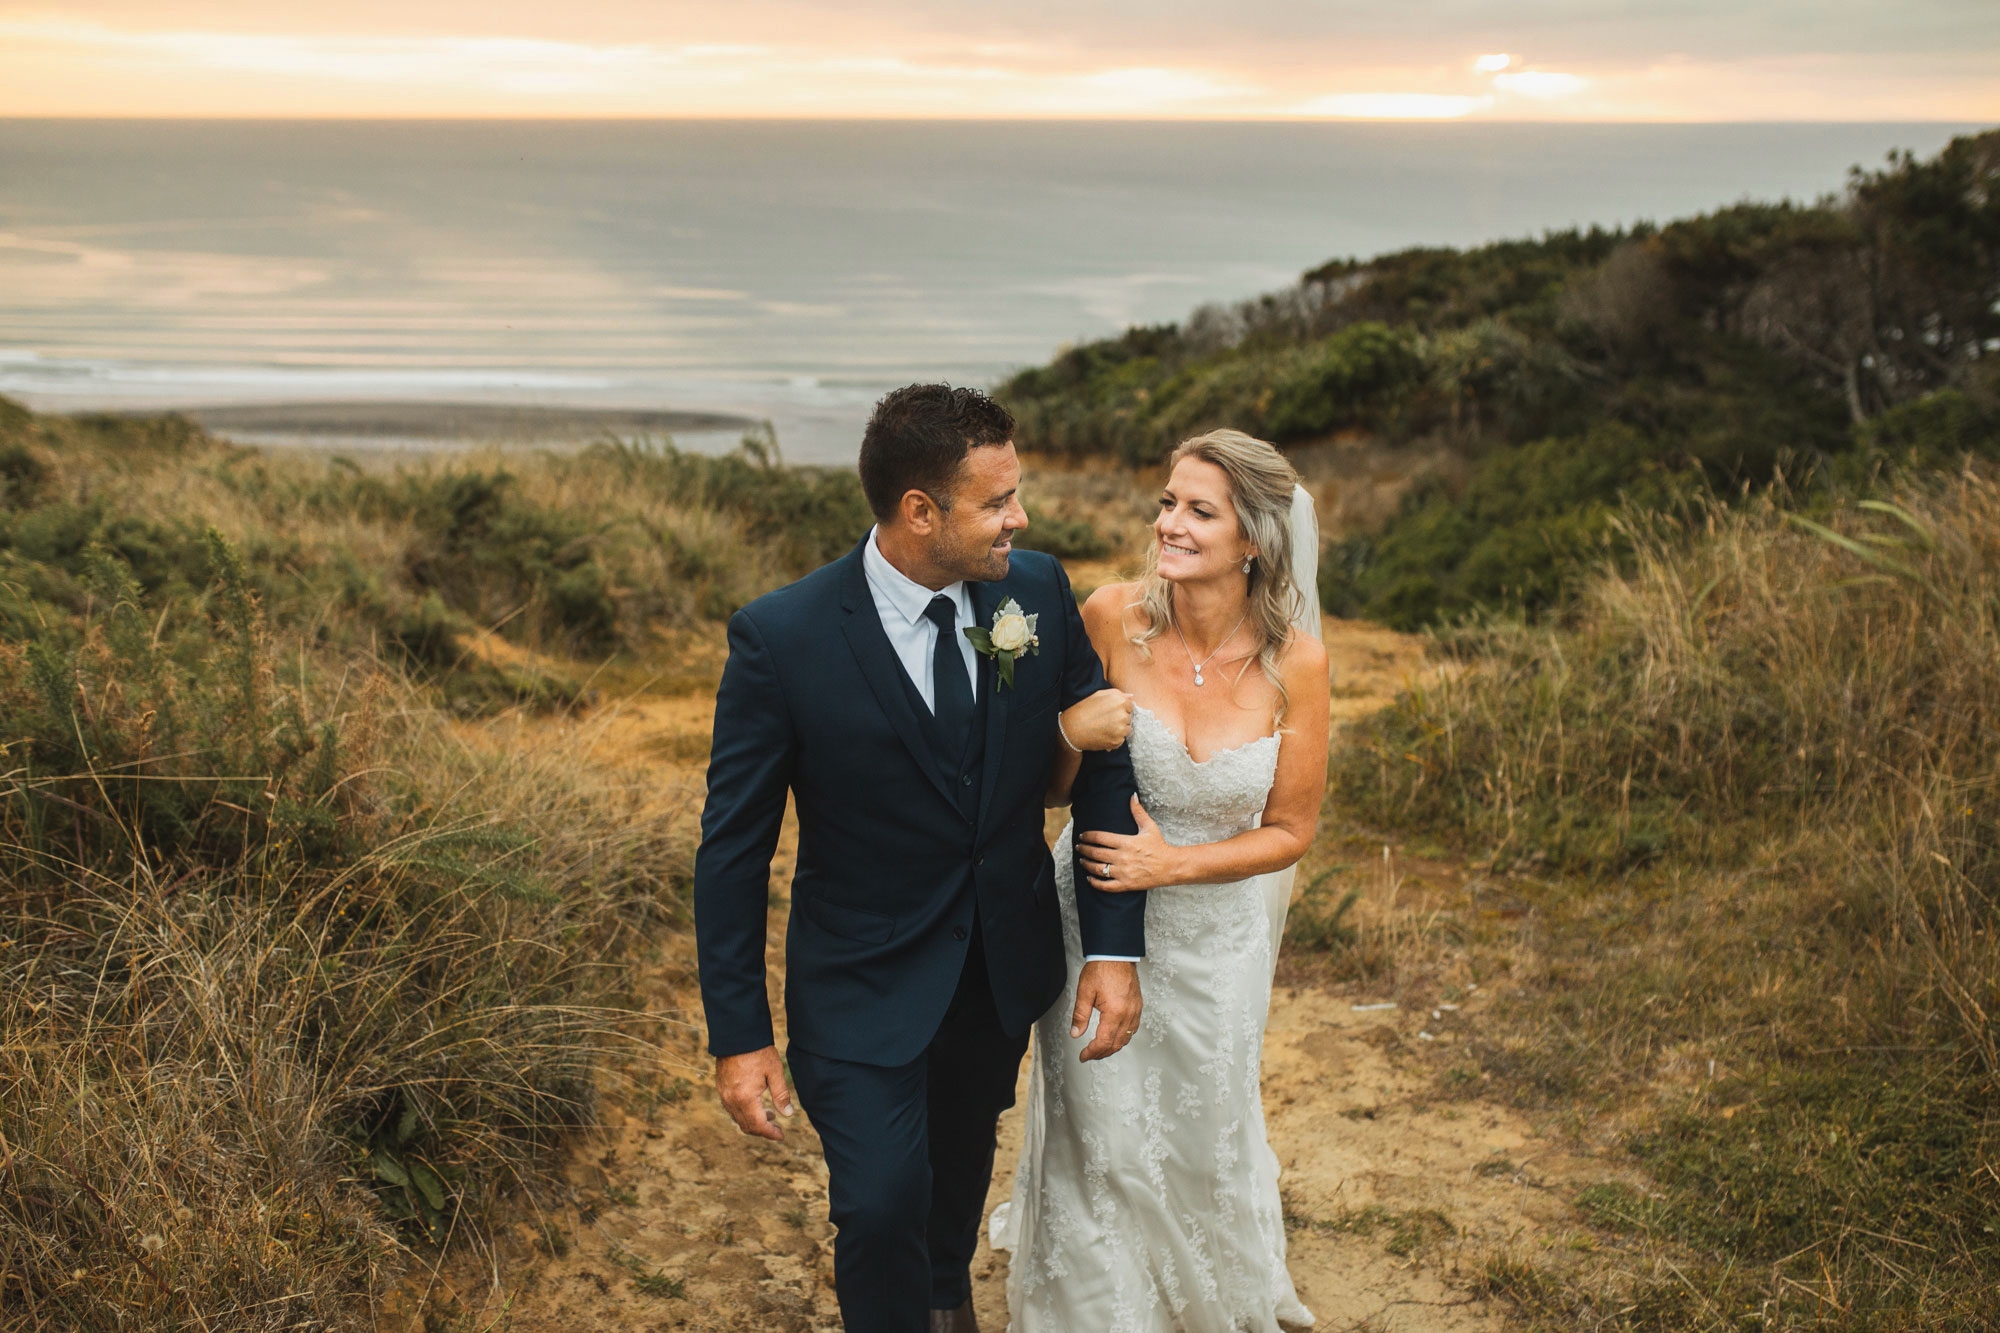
(1445, 59)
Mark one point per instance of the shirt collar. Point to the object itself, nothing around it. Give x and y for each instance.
(904, 593)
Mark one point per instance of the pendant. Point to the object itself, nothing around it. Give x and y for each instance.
(1197, 677)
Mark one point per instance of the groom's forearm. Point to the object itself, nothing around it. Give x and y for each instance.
(1100, 797)
(729, 945)
(731, 916)
(1112, 924)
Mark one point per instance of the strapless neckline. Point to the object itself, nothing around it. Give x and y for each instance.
(1189, 754)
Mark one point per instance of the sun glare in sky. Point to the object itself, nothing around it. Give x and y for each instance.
(1680, 60)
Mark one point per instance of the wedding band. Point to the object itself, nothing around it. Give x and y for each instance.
(1131, 1032)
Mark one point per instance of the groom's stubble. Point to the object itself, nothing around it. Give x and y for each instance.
(972, 540)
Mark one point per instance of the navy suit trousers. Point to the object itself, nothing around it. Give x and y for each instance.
(909, 1155)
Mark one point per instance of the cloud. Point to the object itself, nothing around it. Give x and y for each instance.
(1394, 106)
(527, 65)
(700, 293)
(802, 309)
(1549, 59)
(732, 77)
(1140, 86)
(1542, 85)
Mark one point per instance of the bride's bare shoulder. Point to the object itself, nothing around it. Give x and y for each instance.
(1111, 608)
(1304, 660)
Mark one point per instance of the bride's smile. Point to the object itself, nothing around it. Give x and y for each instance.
(1197, 531)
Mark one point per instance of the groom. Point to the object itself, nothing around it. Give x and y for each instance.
(925, 937)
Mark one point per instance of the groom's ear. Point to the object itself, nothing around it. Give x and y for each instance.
(920, 514)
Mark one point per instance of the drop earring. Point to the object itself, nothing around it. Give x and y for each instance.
(1246, 564)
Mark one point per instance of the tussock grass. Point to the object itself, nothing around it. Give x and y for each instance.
(293, 973)
(281, 965)
(1753, 791)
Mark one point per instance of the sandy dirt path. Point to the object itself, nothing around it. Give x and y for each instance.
(1395, 1190)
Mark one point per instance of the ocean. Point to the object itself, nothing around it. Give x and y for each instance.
(788, 271)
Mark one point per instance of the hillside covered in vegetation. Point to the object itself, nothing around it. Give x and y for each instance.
(1715, 354)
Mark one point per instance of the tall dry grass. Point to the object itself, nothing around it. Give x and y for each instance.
(224, 1076)
(290, 974)
(1757, 780)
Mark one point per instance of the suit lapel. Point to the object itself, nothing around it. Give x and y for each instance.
(986, 599)
(862, 627)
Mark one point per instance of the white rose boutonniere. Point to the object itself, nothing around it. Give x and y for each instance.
(1012, 635)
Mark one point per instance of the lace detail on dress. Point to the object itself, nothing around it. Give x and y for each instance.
(1207, 801)
(1146, 1200)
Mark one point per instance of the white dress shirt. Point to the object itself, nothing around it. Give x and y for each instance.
(900, 602)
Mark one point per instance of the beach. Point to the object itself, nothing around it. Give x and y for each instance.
(387, 426)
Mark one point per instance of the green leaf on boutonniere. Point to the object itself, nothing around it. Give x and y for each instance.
(982, 639)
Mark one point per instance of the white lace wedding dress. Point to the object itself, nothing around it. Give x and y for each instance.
(1147, 1199)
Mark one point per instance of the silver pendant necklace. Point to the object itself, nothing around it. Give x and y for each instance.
(1218, 647)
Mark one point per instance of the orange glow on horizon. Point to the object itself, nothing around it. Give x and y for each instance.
(52, 66)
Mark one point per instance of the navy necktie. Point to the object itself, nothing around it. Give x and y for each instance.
(951, 691)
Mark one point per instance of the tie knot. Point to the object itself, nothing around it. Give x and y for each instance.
(942, 612)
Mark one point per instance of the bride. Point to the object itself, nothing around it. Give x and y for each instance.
(1147, 1198)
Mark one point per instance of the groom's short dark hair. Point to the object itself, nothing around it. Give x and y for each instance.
(917, 440)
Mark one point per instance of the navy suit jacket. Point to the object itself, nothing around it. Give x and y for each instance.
(814, 702)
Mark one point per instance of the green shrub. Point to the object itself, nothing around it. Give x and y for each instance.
(1528, 521)
(1066, 539)
(1937, 432)
(1338, 382)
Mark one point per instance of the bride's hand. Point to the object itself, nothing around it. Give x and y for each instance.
(1128, 862)
(1101, 722)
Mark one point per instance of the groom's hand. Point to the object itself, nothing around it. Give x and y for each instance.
(743, 1079)
(1112, 989)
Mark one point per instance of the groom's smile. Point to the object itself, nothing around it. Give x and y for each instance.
(977, 535)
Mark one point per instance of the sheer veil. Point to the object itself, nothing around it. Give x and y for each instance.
(1305, 577)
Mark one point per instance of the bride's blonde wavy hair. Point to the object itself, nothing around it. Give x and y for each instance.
(1260, 489)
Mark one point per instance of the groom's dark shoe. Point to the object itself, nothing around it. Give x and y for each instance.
(955, 1321)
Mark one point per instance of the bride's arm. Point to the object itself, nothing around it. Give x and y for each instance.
(1102, 721)
(1146, 860)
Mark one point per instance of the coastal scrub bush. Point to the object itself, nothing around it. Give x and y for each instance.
(1756, 341)
(1937, 432)
(1064, 538)
(1529, 518)
(568, 555)
(1338, 381)
(1139, 407)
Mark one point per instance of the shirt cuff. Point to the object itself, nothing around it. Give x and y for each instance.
(1108, 958)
